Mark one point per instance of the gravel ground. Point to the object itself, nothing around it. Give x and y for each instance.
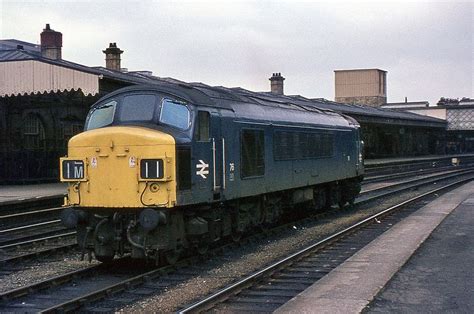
(234, 265)
(41, 269)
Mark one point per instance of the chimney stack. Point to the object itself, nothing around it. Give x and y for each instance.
(276, 83)
(112, 57)
(51, 43)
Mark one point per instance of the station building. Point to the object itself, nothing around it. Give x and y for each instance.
(458, 114)
(361, 86)
(44, 101)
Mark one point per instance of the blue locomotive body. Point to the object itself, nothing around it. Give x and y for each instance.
(241, 160)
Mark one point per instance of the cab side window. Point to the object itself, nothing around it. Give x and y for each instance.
(175, 114)
(201, 132)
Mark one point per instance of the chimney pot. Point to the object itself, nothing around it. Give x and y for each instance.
(276, 83)
(51, 43)
(112, 57)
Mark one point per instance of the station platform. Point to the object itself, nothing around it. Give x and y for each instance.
(401, 160)
(422, 264)
(20, 193)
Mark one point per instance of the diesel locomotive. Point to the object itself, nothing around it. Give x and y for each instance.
(170, 167)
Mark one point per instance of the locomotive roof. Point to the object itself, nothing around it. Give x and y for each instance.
(247, 104)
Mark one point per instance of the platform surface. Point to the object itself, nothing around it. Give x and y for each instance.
(439, 277)
(19, 193)
(351, 287)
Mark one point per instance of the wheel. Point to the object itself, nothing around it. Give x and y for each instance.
(352, 201)
(236, 236)
(264, 227)
(104, 258)
(202, 248)
(171, 257)
(341, 204)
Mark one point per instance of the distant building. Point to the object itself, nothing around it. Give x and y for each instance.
(361, 86)
(419, 107)
(459, 114)
(465, 101)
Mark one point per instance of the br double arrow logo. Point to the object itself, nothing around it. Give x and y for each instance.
(203, 169)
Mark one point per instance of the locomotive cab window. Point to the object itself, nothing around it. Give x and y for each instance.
(252, 148)
(201, 133)
(102, 115)
(137, 108)
(175, 114)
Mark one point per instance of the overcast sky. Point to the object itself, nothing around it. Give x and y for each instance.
(426, 47)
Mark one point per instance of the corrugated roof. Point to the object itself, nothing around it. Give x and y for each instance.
(14, 55)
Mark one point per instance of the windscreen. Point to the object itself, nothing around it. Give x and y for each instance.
(102, 115)
(140, 109)
(137, 108)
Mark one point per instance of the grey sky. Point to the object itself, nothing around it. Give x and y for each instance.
(426, 47)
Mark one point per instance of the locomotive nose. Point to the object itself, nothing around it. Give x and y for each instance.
(123, 167)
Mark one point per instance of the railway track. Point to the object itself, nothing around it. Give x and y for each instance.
(140, 284)
(375, 177)
(46, 246)
(269, 288)
(368, 192)
(19, 217)
(18, 226)
(32, 233)
(32, 204)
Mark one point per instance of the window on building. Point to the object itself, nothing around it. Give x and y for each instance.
(33, 132)
(201, 133)
(252, 147)
(382, 83)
